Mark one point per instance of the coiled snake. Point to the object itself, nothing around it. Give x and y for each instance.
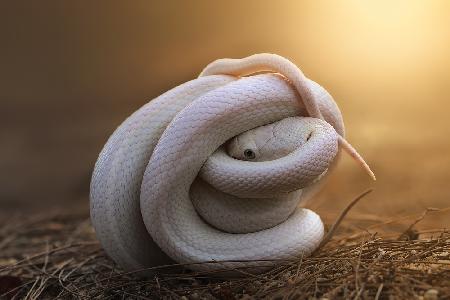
(215, 168)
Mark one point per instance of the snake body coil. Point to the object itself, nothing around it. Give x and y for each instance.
(166, 188)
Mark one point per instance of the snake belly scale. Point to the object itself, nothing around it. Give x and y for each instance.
(165, 188)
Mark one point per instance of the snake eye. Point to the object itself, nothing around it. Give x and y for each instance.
(249, 154)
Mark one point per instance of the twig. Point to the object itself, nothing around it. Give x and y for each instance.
(336, 224)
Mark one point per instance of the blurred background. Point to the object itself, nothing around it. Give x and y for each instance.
(71, 72)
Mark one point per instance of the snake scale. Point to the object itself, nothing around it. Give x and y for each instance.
(215, 169)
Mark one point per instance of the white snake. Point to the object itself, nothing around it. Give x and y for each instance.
(165, 188)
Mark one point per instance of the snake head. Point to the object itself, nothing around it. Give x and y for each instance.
(246, 145)
(271, 141)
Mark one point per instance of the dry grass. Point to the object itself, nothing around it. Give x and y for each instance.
(57, 256)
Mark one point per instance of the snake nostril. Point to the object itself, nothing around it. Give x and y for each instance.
(309, 136)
